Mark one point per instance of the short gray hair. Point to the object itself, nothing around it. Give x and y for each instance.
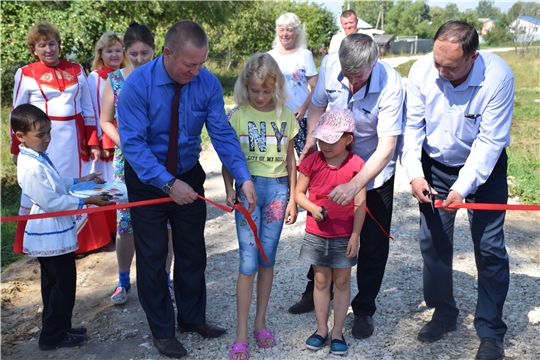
(357, 53)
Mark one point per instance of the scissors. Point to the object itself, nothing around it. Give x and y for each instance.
(431, 198)
(324, 212)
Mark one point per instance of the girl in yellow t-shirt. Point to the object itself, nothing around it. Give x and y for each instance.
(265, 129)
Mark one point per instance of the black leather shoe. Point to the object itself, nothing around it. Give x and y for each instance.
(69, 341)
(305, 304)
(362, 327)
(434, 330)
(170, 347)
(77, 331)
(490, 349)
(206, 330)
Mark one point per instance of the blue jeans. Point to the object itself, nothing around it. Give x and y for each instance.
(269, 214)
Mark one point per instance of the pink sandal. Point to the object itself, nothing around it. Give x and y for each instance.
(262, 335)
(239, 348)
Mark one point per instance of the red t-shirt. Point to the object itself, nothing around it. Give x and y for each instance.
(323, 178)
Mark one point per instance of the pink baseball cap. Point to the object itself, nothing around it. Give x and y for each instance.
(332, 125)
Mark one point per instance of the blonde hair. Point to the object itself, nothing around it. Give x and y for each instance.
(291, 20)
(42, 29)
(108, 39)
(265, 68)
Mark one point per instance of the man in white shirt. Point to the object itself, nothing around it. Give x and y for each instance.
(354, 79)
(349, 23)
(459, 110)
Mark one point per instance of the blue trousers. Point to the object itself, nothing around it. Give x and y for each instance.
(436, 245)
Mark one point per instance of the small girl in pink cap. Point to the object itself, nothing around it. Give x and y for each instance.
(332, 230)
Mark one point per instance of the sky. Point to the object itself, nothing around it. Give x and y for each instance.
(504, 6)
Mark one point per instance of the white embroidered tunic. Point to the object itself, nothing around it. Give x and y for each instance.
(48, 191)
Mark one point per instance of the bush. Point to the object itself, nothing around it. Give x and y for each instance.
(8, 81)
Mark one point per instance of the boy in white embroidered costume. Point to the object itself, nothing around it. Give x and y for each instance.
(52, 240)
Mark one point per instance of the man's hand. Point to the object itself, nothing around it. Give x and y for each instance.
(182, 193)
(95, 152)
(308, 148)
(248, 189)
(420, 190)
(343, 194)
(453, 197)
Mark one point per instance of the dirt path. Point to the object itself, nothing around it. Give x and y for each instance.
(121, 332)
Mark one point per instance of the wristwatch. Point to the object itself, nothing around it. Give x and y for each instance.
(168, 186)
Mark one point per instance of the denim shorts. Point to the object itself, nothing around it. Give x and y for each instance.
(326, 252)
(269, 215)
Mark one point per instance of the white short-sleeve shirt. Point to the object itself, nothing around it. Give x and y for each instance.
(377, 107)
(296, 68)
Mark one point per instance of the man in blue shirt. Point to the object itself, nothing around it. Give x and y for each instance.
(459, 110)
(144, 123)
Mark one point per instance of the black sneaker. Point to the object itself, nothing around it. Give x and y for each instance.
(305, 304)
(69, 341)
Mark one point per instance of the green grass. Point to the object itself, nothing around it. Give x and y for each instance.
(524, 149)
(404, 68)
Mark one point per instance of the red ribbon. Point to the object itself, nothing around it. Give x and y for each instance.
(477, 206)
(238, 207)
(318, 197)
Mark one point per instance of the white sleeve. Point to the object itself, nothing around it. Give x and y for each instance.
(39, 185)
(319, 98)
(87, 105)
(311, 68)
(93, 86)
(415, 124)
(20, 95)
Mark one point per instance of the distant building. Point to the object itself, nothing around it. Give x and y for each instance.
(383, 41)
(487, 24)
(526, 28)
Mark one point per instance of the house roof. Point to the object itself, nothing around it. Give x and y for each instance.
(363, 25)
(383, 39)
(530, 19)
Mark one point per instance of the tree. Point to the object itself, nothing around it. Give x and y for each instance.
(439, 15)
(470, 17)
(251, 28)
(407, 18)
(523, 8)
(486, 9)
(369, 10)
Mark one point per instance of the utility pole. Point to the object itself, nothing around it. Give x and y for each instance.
(380, 17)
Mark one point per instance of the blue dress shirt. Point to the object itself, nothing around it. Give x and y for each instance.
(468, 125)
(144, 117)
